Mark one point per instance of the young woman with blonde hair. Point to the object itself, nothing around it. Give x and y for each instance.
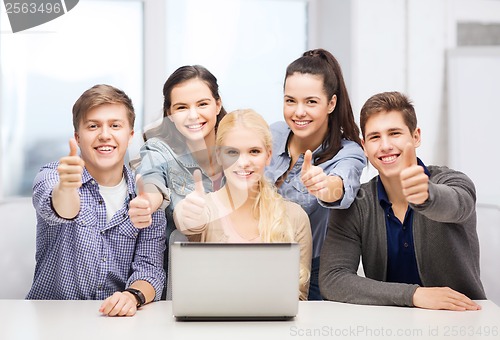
(247, 208)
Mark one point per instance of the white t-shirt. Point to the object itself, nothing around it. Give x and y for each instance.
(114, 197)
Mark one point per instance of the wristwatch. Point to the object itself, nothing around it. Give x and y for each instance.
(141, 299)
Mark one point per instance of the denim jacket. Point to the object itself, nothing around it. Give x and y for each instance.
(171, 173)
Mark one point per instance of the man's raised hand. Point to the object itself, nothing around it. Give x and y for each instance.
(414, 181)
(70, 168)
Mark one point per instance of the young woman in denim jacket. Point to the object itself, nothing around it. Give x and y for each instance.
(317, 156)
(182, 143)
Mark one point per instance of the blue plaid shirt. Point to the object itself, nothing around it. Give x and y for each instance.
(87, 258)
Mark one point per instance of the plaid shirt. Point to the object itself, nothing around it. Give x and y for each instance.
(86, 258)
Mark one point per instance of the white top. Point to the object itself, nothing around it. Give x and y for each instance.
(113, 197)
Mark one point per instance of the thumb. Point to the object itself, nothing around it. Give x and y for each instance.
(307, 161)
(409, 155)
(73, 147)
(139, 185)
(198, 182)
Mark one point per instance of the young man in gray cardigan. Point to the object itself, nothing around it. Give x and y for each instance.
(413, 226)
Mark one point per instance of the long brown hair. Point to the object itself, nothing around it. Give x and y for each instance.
(341, 124)
(167, 130)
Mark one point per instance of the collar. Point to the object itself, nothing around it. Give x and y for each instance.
(129, 178)
(283, 146)
(187, 160)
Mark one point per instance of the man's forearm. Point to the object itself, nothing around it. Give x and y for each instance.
(66, 202)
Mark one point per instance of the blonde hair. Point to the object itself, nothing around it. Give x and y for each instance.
(274, 224)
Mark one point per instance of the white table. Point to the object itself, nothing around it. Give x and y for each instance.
(54, 320)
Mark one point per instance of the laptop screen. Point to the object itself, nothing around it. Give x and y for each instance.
(235, 280)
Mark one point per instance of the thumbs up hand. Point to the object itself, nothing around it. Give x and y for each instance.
(65, 195)
(414, 181)
(192, 211)
(73, 147)
(198, 183)
(70, 168)
(140, 209)
(313, 177)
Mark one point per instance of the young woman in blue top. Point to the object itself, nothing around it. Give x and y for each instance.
(184, 142)
(317, 156)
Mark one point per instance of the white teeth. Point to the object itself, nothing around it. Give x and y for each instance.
(388, 158)
(302, 123)
(105, 148)
(196, 126)
(243, 173)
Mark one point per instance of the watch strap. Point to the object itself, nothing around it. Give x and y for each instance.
(139, 296)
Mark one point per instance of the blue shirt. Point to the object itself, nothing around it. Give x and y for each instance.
(401, 260)
(348, 164)
(86, 258)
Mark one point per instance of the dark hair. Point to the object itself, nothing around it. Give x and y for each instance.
(167, 130)
(341, 124)
(98, 95)
(389, 101)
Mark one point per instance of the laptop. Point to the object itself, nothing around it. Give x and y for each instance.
(234, 281)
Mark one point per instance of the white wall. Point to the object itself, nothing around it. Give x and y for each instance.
(386, 45)
(17, 248)
(488, 221)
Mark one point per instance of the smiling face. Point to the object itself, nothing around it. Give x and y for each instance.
(386, 135)
(103, 136)
(194, 111)
(243, 156)
(306, 107)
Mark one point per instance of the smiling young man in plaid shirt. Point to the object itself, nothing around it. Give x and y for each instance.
(87, 248)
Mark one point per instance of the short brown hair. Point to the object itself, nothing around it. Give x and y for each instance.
(99, 95)
(388, 101)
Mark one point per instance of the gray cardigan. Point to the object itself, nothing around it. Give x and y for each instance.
(445, 238)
